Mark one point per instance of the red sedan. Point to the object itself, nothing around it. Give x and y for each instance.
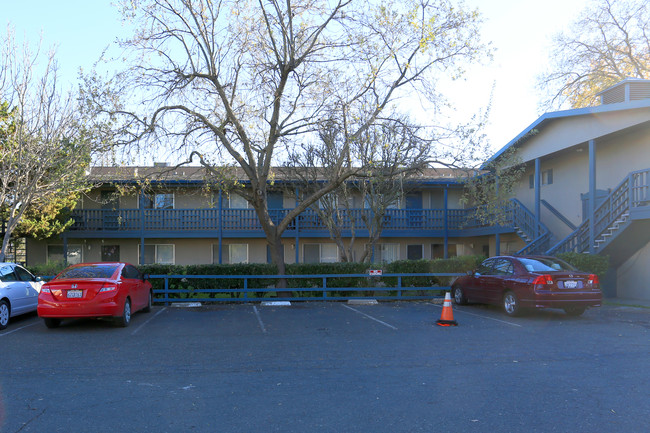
(113, 290)
(518, 282)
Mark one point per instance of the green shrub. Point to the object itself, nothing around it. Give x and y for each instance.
(455, 265)
(46, 270)
(585, 262)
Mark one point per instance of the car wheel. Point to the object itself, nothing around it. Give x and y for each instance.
(5, 312)
(459, 296)
(148, 307)
(51, 322)
(124, 320)
(511, 304)
(574, 311)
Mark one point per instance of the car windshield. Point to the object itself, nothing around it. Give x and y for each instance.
(546, 264)
(88, 271)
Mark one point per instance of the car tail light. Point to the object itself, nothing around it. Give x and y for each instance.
(593, 280)
(108, 288)
(543, 279)
(45, 290)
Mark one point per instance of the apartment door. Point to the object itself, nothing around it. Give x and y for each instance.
(414, 209)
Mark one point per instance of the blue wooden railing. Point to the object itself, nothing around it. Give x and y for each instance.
(526, 221)
(251, 288)
(246, 219)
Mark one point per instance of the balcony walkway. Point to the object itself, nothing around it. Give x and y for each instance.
(231, 223)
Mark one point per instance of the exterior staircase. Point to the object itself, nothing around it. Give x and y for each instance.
(626, 210)
(536, 235)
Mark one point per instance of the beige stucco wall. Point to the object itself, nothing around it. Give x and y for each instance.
(200, 251)
(617, 156)
(633, 276)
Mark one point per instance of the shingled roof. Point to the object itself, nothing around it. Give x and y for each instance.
(192, 174)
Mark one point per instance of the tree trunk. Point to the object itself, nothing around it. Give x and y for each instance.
(277, 255)
(9, 229)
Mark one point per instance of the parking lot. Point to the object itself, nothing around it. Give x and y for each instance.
(329, 367)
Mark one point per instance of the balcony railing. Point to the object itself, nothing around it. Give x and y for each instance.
(244, 222)
(231, 220)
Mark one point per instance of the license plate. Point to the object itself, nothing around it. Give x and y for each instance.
(570, 284)
(74, 293)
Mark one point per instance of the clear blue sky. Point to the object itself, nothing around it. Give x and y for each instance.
(519, 29)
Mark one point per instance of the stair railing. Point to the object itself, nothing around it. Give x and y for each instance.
(633, 191)
(527, 222)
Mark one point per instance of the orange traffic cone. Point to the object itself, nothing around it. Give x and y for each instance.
(447, 317)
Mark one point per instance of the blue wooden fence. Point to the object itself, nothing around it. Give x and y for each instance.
(245, 289)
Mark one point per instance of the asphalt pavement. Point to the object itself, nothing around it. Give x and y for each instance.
(330, 367)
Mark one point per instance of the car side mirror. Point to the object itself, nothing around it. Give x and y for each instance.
(38, 279)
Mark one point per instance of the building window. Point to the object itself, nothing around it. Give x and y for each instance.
(386, 253)
(414, 252)
(438, 251)
(110, 253)
(373, 200)
(547, 177)
(236, 202)
(55, 254)
(236, 253)
(158, 201)
(109, 200)
(320, 253)
(232, 253)
(162, 254)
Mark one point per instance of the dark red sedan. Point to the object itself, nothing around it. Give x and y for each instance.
(518, 282)
(114, 290)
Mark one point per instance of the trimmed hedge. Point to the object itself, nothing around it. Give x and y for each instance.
(348, 284)
(584, 262)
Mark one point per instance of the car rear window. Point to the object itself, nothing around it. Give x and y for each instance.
(91, 271)
(7, 274)
(546, 265)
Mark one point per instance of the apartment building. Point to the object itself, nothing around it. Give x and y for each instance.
(585, 189)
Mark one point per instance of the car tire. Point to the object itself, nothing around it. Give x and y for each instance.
(574, 311)
(459, 296)
(511, 304)
(149, 302)
(125, 319)
(5, 313)
(52, 323)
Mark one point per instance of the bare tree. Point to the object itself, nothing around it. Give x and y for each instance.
(389, 152)
(607, 43)
(43, 153)
(242, 82)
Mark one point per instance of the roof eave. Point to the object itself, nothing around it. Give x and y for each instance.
(556, 115)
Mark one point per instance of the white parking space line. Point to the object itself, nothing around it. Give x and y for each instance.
(259, 319)
(148, 320)
(369, 317)
(484, 317)
(17, 329)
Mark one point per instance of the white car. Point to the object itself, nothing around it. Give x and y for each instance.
(19, 291)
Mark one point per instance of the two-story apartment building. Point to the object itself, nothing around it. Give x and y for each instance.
(586, 189)
(163, 215)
